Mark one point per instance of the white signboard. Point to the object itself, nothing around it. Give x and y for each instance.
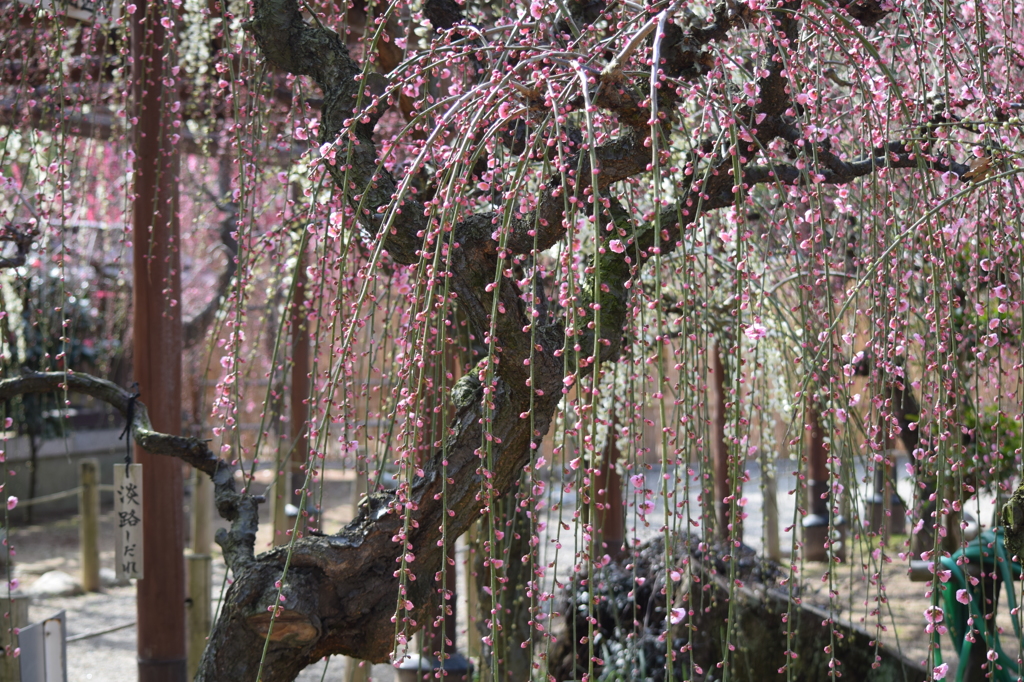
(43, 651)
(128, 520)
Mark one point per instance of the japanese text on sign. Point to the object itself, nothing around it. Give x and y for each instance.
(128, 517)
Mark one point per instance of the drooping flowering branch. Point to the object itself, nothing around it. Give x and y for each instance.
(595, 146)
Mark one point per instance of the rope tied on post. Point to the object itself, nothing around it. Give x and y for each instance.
(128, 426)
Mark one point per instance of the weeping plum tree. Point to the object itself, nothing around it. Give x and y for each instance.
(541, 214)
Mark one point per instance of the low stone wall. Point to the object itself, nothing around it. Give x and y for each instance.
(56, 470)
(630, 631)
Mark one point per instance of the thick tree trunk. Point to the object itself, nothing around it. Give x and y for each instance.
(340, 591)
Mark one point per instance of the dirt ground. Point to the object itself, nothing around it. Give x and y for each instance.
(53, 545)
(891, 606)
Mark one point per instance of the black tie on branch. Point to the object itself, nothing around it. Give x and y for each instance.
(22, 236)
(128, 426)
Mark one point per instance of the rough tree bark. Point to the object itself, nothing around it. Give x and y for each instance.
(339, 592)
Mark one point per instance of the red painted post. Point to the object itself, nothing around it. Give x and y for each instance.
(157, 347)
(610, 524)
(300, 382)
(719, 446)
(822, 537)
(817, 465)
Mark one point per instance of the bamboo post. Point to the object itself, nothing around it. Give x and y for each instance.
(472, 597)
(279, 490)
(279, 497)
(879, 504)
(199, 615)
(815, 525)
(772, 488)
(89, 528)
(290, 473)
(354, 672)
(14, 618)
(199, 566)
(771, 516)
(360, 488)
(357, 671)
(202, 514)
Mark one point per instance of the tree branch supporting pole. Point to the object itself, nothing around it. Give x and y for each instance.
(279, 497)
(158, 345)
(199, 559)
(89, 520)
(442, 638)
(356, 670)
(202, 514)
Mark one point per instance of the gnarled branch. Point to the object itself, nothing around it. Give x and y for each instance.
(239, 508)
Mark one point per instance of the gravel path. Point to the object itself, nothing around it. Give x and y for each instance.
(53, 545)
(111, 657)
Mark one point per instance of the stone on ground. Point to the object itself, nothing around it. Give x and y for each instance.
(55, 584)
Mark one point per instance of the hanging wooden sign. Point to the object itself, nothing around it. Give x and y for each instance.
(128, 517)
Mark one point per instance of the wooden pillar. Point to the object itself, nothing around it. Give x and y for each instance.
(157, 343)
(719, 446)
(89, 520)
(820, 537)
(879, 505)
(300, 380)
(817, 467)
(610, 522)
